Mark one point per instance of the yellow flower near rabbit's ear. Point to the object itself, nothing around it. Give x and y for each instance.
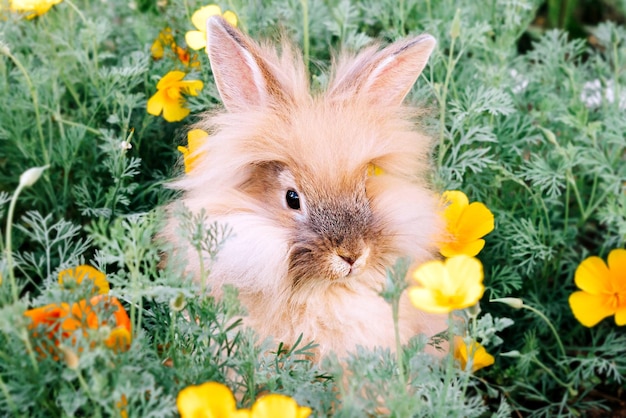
(80, 273)
(445, 286)
(210, 399)
(32, 8)
(475, 352)
(196, 39)
(278, 406)
(169, 96)
(603, 289)
(195, 139)
(466, 224)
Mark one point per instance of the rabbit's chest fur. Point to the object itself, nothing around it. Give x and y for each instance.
(313, 230)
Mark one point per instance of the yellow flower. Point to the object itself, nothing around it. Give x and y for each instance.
(479, 356)
(278, 406)
(215, 400)
(32, 8)
(466, 224)
(165, 38)
(196, 39)
(195, 139)
(168, 98)
(210, 399)
(603, 289)
(78, 274)
(455, 283)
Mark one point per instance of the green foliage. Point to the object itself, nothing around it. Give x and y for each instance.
(538, 136)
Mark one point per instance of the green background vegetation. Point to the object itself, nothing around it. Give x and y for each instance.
(526, 101)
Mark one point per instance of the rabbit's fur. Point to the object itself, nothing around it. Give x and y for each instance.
(316, 270)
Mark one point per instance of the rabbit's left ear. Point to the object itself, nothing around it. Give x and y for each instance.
(387, 76)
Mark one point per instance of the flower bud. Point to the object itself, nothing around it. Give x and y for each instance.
(70, 357)
(515, 303)
(511, 354)
(30, 176)
(455, 29)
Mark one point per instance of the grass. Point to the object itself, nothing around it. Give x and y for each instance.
(526, 119)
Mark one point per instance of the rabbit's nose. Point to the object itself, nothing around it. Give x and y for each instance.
(348, 259)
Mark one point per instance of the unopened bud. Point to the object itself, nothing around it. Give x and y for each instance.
(511, 354)
(30, 176)
(178, 303)
(455, 29)
(70, 357)
(515, 303)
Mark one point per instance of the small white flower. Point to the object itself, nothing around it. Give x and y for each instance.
(521, 82)
(125, 145)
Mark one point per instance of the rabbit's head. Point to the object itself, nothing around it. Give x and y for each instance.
(324, 190)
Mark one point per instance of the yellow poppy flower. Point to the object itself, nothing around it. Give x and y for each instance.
(169, 96)
(466, 224)
(196, 39)
(603, 289)
(445, 286)
(195, 139)
(165, 38)
(80, 273)
(210, 399)
(480, 357)
(32, 8)
(278, 406)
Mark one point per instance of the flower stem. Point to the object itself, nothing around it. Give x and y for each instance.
(8, 245)
(449, 368)
(547, 321)
(395, 308)
(35, 99)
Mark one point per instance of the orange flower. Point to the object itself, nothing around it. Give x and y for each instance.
(603, 289)
(68, 318)
(475, 352)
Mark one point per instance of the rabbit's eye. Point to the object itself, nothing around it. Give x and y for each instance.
(293, 200)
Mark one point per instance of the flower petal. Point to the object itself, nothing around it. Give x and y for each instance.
(155, 103)
(430, 274)
(276, 405)
(620, 316)
(175, 112)
(195, 39)
(589, 309)
(196, 138)
(456, 201)
(230, 17)
(200, 16)
(170, 78)
(83, 272)
(476, 221)
(471, 249)
(192, 87)
(426, 300)
(592, 276)
(209, 399)
(617, 268)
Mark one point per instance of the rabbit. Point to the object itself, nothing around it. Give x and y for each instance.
(322, 191)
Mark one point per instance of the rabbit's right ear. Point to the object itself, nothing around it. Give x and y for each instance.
(242, 77)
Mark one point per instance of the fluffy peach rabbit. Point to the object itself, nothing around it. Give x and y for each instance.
(313, 229)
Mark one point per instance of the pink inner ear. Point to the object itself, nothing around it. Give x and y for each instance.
(238, 74)
(396, 68)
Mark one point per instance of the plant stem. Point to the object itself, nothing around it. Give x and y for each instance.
(8, 397)
(8, 245)
(395, 308)
(449, 368)
(35, 99)
(547, 321)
